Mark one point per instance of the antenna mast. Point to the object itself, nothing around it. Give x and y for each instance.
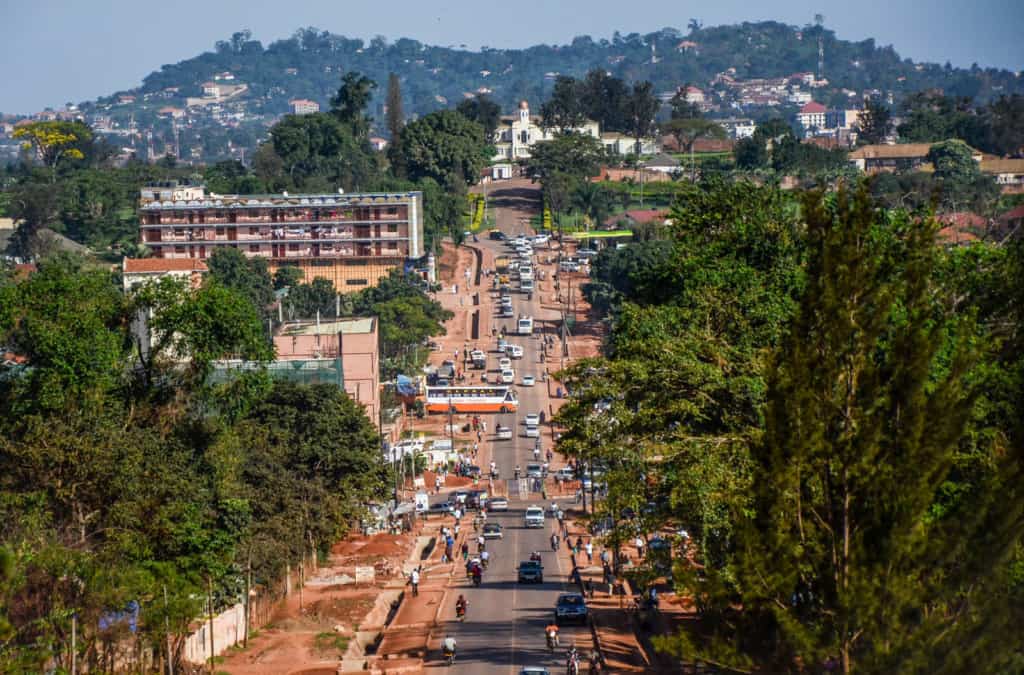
(819, 21)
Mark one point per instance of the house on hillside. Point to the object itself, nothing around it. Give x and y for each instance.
(303, 106)
(138, 271)
(812, 117)
(627, 220)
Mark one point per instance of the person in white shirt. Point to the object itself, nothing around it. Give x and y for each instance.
(414, 581)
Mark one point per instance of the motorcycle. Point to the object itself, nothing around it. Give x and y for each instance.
(552, 637)
(449, 656)
(460, 612)
(572, 665)
(477, 578)
(554, 542)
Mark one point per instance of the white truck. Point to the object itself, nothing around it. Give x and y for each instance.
(524, 326)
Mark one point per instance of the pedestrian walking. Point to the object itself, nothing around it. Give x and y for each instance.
(589, 548)
(414, 581)
(465, 551)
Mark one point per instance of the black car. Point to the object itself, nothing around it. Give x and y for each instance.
(496, 235)
(531, 570)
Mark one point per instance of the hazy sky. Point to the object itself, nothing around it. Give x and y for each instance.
(54, 51)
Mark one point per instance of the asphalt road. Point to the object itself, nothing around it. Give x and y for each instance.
(504, 627)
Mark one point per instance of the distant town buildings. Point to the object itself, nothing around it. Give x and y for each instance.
(352, 240)
(516, 134)
(302, 106)
(894, 158)
(812, 116)
(138, 271)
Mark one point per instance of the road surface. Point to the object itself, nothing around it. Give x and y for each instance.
(504, 627)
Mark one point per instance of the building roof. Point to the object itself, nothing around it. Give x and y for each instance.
(661, 160)
(358, 326)
(1000, 165)
(812, 107)
(1015, 214)
(900, 151)
(962, 219)
(283, 200)
(956, 235)
(163, 265)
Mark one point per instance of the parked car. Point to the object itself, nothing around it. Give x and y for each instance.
(497, 504)
(531, 570)
(493, 531)
(441, 508)
(565, 473)
(531, 419)
(496, 235)
(514, 351)
(534, 517)
(534, 471)
(570, 607)
(528, 380)
(569, 266)
(540, 239)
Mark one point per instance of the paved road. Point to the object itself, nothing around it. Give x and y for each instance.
(504, 628)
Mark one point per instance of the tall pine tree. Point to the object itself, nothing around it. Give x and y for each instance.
(396, 121)
(842, 563)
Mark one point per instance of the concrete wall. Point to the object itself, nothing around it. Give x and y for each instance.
(228, 630)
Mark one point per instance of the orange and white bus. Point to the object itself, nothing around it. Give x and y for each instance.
(472, 399)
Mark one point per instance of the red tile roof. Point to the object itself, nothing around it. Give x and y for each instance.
(962, 219)
(1014, 214)
(639, 216)
(813, 107)
(157, 265)
(955, 235)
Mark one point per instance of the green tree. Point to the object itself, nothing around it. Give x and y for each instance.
(484, 111)
(319, 152)
(643, 106)
(446, 147)
(287, 276)
(874, 123)
(688, 131)
(953, 162)
(563, 111)
(33, 206)
(577, 155)
(396, 122)
(349, 104)
(839, 558)
(604, 99)
(683, 109)
(250, 277)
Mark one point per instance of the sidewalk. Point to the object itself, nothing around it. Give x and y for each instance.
(611, 620)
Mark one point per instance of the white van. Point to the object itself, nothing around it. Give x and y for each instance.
(526, 285)
(534, 517)
(525, 325)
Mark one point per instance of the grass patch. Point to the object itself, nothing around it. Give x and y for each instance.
(329, 641)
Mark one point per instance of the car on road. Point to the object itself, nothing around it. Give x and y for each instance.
(504, 362)
(565, 473)
(526, 285)
(534, 670)
(441, 508)
(528, 380)
(497, 504)
(531, 570)
(525, 273)
(506, 312)
(534, 517)
(534, 471)
(496, 235)
(493, 531)
(477, 499)
(570, 607)
(514, 351)
(473, 471)
(532, 432)
(531, 419)
(508, 376)
(540, 239)
(503, 433)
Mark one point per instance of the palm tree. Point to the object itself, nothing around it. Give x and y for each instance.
(592, 201)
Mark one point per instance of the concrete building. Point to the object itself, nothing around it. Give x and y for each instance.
(812, 116)
(352, 240)
(303, 106)
(317, 342)
(137, 271)
(1009, 173)
(516, 134)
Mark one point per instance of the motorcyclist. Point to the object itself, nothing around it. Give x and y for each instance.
(554, 541)
(535, 556)
(572, 661)
(551, 633)
(478, 574)
(460, 606)
(448, 647)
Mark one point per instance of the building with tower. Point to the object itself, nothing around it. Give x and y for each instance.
(516, 134)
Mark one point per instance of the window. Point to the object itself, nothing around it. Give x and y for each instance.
(255, 248)
(356, 282)
(179, 249)
(293, 247)
(254, 230)
(220, 230)
(393, 228)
